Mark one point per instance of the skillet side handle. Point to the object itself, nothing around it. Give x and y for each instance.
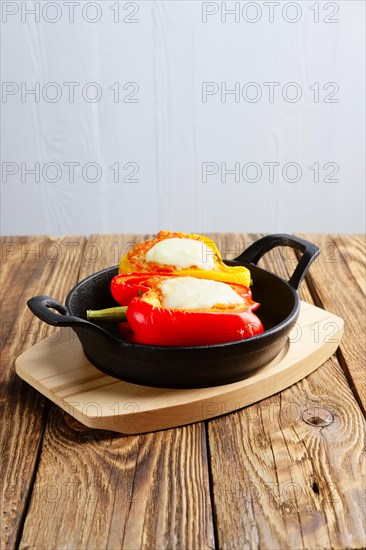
(310, 252)
(42, 306)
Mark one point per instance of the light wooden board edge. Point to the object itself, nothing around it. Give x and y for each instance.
(132, 409)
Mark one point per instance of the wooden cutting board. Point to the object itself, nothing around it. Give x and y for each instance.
(59, 370)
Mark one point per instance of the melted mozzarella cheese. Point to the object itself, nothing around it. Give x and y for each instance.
(192, 293)
(181, 253)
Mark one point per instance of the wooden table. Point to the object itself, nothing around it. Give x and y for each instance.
(258, 478)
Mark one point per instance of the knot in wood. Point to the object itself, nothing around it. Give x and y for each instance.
(318, 417)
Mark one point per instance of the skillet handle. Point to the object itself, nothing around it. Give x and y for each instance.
(310, 252)
(42, 307)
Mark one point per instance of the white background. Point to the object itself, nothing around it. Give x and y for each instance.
(171, 128)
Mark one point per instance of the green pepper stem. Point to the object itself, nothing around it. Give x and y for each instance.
(109, 314)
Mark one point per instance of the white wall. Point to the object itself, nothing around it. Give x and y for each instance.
(168, 131)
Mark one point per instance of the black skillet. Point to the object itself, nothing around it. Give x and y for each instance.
(185, 367)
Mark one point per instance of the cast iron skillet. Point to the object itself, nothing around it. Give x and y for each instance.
(185, 367)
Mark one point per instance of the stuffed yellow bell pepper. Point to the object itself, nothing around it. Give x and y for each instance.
(188, 255)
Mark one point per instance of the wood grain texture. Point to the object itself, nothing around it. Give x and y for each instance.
(149, 491)
(337, 280)
(30, 266)
(99, 490)
(271, 480)
(281, 483)
(60, 371)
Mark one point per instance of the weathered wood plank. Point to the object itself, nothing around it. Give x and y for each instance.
(280, 454)
(148, 491)
(353, 249)
(98, 490)
(279, 482)
(31, 266)
(338, 281)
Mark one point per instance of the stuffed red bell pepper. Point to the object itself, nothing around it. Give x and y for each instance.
(183, 311)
